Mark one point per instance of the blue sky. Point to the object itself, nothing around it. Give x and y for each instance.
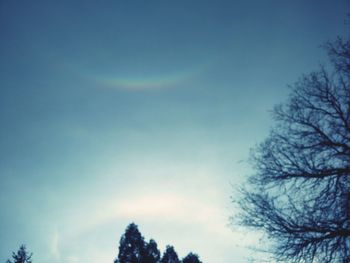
(142, 111)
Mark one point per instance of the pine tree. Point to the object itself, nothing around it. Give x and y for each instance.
(133, 249)
(22, 256)
(152, 254)
(170, 256)
(191, 258)
(132, 246)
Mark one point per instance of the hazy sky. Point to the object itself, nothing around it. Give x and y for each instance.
(114, 112)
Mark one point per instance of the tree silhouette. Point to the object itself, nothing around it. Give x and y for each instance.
(132, 246)
(170, 256)
(191, 258)
(22, 256)
(133, 249)
(300, 193)
(151, 253)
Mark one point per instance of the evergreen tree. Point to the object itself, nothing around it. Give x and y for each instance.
(191, 258)
(152, 254)
(132, 246)
(133, 249)
(170, 256)
(22, 256)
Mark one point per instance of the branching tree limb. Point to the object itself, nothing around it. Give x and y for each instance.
(300, 193)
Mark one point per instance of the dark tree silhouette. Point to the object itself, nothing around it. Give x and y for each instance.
(170, 256)
(133, 249)
(22, 256)
(300, 193)
(132, 246)
(151, 254)
(191, 258)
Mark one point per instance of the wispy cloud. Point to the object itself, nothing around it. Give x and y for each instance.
(72, 259)
(54, 248)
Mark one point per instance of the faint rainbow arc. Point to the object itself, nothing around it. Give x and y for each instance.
(147, 81)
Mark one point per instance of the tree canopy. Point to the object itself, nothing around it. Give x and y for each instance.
(170, 256)
(133, 249)
(152, 253)
(191, 258)
(22, 256)
(300, 193)
(132, 246)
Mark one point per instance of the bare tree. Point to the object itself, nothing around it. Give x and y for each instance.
(299, 195)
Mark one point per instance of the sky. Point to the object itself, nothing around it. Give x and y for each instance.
(114, 112)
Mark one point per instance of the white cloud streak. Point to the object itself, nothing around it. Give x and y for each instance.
(54, 248)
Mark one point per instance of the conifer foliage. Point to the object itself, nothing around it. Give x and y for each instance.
(191, 258)
(152, 253)
(133, 249)
(132, 246)
(22, 256)
(170, 256)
